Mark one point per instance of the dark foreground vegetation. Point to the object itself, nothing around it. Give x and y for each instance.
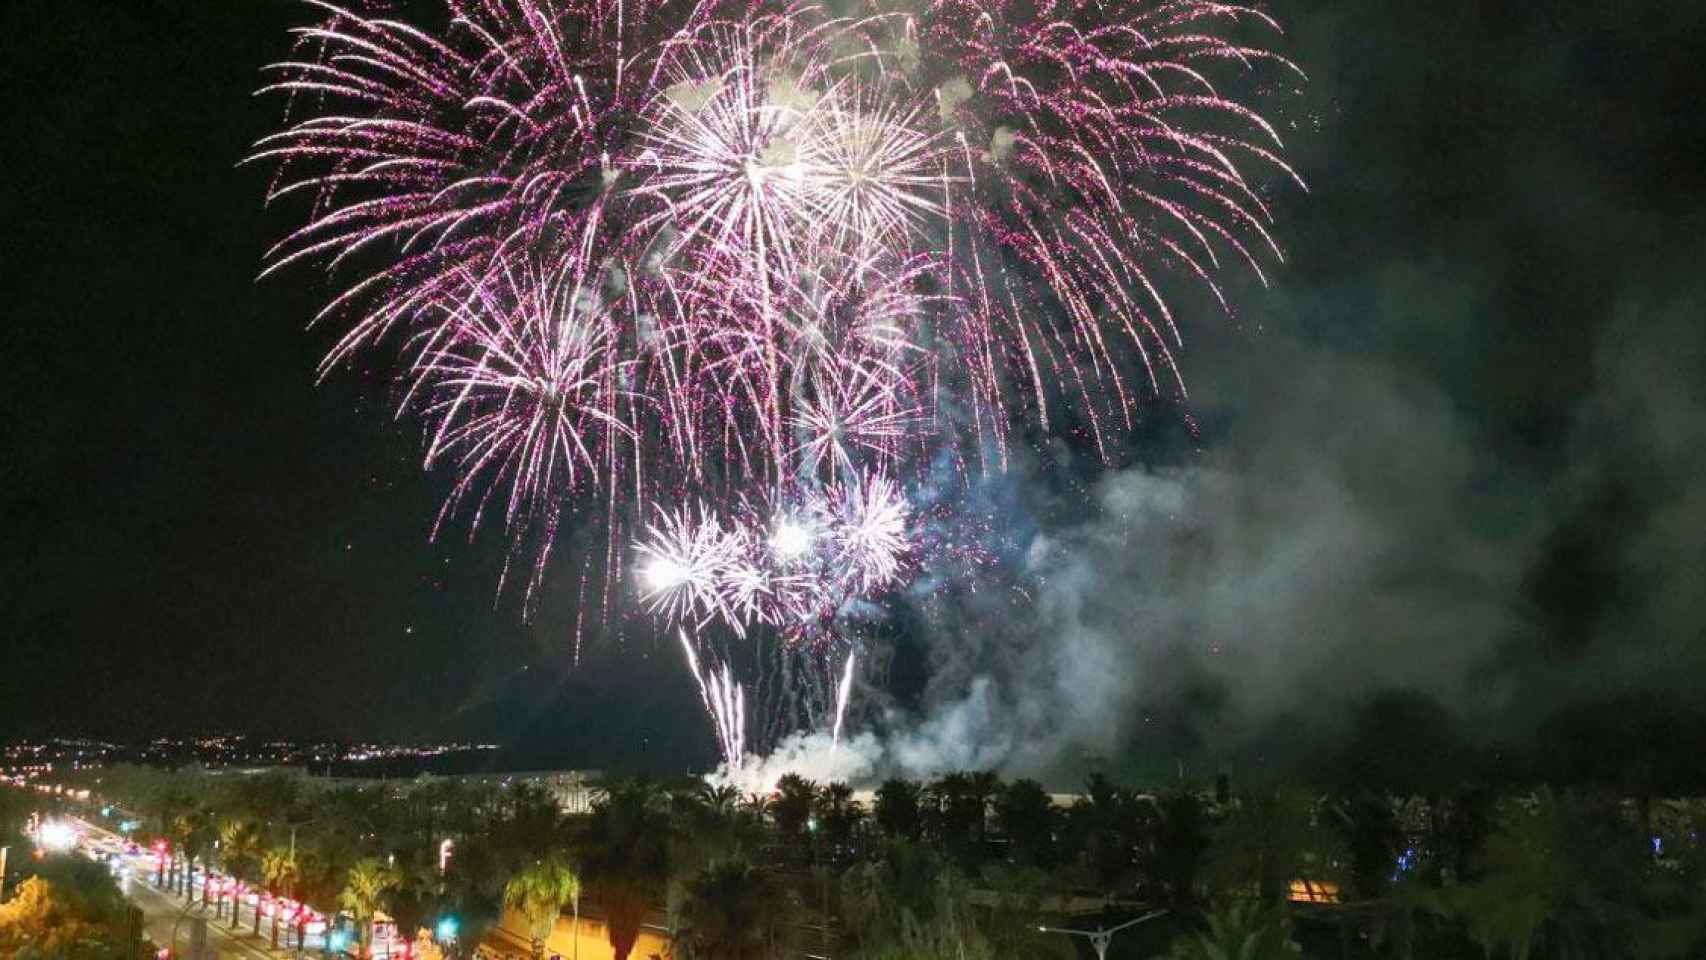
(966, 867)
(59, 907)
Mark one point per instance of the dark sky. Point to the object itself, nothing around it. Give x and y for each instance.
(1454, 446)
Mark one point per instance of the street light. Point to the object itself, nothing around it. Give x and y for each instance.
(1100, 937)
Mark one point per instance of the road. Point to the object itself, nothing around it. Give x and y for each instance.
(166, 914)
(163, 914)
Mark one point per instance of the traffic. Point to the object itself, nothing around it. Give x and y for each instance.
(218, 897)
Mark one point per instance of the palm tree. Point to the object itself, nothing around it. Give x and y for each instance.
(838, 816)
(1373, 840)
(366, 888)
(897, 809)
(193, 833)
(162, 802)
(1266, 843)
(539, 892)
(1025, 816)
(792, 808)
(913, 905)
(957, 807)
(627, 843)
(710, 824)
(1106, 827)
(724, 799)
(420, 887)
(1240, 931)
(279, 871)
(268, 798)
(1180, 838)
(733, 911)
(474, 885)
(239, 848)
(907, 887)
(982, 787)
(718, 824)
(1557, 881)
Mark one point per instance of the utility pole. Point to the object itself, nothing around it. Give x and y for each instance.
(3, 852)
(1099, 938)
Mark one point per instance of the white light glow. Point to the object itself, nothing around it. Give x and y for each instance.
(57, 835)
(662, 575)
(791, 539)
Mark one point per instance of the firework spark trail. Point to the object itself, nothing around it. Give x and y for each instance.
(730, 702)
(724, 700)
(842, 690)
(725, 277)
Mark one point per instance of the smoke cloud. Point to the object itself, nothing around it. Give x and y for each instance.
(1455, 452)
(1346, 535)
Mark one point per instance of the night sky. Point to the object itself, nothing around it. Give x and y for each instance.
(1454, 448)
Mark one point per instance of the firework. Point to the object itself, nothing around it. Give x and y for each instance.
(721, 278)
(521, 383)
(723, 698)
(841, 692)
(791, 564)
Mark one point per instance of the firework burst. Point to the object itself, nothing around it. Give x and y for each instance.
(521, 383)
(721, 278)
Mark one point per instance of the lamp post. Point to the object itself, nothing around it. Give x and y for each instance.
(172, 941)
(1100, 937)
(822, 883)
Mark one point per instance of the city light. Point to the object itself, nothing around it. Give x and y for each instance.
(57, 836)
(446, 929)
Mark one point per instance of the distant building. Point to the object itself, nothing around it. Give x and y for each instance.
(574, 790)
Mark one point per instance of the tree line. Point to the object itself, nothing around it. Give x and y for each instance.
(968, 865)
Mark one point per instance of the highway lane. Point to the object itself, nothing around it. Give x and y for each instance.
(166, 914)
(164, 909)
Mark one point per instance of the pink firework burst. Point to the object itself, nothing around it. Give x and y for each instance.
(724, 277)
(522, 384)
